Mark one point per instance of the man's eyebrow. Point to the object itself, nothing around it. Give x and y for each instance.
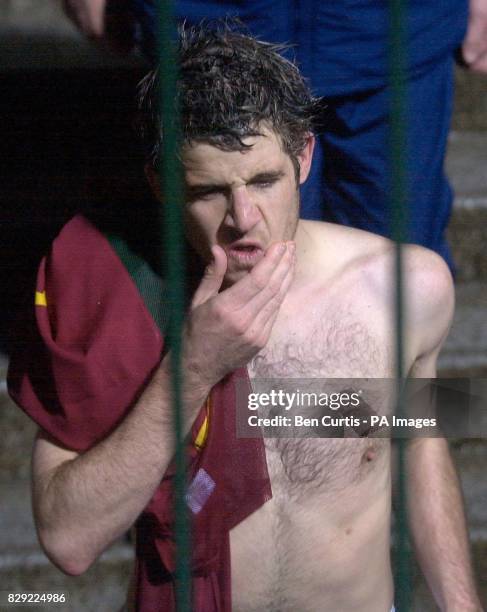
(204, 188)
(264, 177)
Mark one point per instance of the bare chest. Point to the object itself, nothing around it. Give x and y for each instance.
(314, 346)
(324, 358)
(324, 488)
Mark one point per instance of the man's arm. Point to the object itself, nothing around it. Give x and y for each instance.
(438, 525)
(82, 502)
(435, 502)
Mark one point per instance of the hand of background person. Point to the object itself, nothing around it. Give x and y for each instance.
(226, 329)
(474, 48)
(109, 22)
(87, 15)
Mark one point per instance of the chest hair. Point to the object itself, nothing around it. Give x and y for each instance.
(333, 349)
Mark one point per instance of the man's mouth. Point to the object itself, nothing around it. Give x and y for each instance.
(244, 253)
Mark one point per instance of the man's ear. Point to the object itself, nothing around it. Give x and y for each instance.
(305, 158)
(153, 179)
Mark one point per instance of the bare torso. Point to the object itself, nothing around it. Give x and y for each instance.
(322, 542)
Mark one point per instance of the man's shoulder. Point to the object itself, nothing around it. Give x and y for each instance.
(430, 296)
(425, 266)
(353, 241)
(358, 248)
(424, 273)
(427, 292)
(427, 284)
(357, 255)
(341, 249)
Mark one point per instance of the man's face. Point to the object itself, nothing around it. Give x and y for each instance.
(244, 201)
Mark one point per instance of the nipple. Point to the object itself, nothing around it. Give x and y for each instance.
(369, 455)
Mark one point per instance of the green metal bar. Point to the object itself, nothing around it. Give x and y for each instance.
(399, 227)
(170, 173)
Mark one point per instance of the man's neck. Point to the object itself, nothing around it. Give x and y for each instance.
(305, 254)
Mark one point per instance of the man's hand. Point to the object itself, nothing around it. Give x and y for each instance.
(474, 48)
(87, 15)
(225, 330)
(105, 21)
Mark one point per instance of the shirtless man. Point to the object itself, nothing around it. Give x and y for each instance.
(289, 299)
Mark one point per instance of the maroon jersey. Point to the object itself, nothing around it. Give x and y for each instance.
(90, 351)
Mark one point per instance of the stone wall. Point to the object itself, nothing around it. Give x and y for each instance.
(35, 16)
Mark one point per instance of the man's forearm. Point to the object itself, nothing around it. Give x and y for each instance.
(84, 504)
(438, 525)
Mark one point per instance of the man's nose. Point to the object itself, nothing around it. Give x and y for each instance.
(243, 213)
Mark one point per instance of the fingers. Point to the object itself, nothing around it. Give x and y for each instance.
(480, 64)
(255, 288)
(213, 278)
(268, 314)
(474, 48)
(273, 293)
(258, 315)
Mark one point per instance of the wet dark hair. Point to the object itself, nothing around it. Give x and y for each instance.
(230, 86)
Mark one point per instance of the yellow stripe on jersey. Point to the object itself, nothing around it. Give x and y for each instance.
(200, 439)
(40, 298)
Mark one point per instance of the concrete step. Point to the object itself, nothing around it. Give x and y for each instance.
(465, 350)
(17, 436)
(466, 166)
(470, 458)
(102, 589)
(470, 109)
(24, 567)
